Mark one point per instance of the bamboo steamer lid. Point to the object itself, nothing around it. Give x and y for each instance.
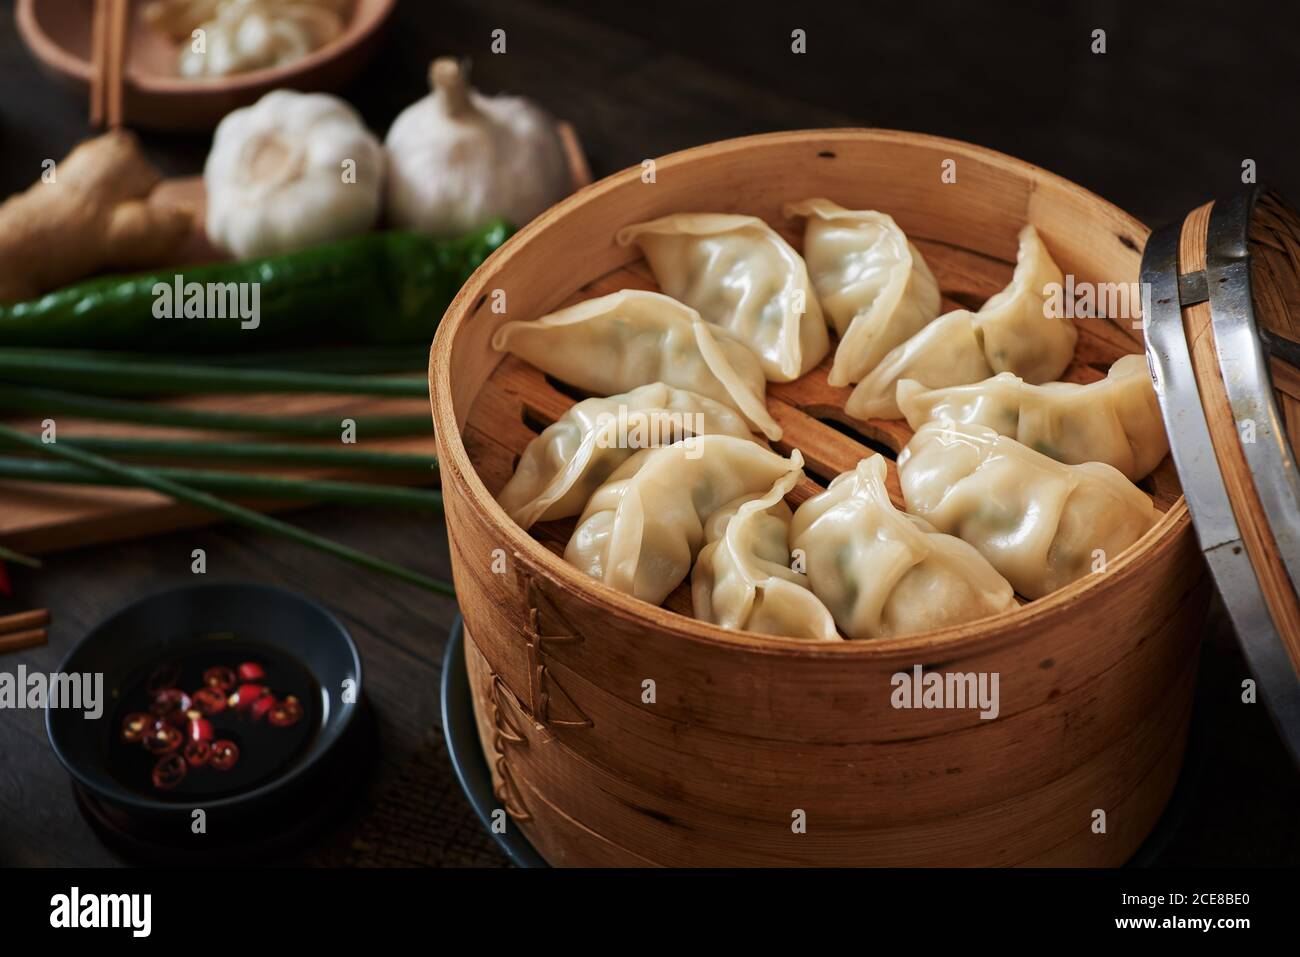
(1221, 296)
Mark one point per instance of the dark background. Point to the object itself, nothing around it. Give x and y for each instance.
(1158, 124)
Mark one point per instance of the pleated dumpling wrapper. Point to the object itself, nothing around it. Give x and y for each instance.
(1039, 522)
(873, 284)
(563, 466)
(884, 573)
(614, 343)
(1015, 331)
(743, 579)
(643, 527)
(1115, 420)
(741, 275)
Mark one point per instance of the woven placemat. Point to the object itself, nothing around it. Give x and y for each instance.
(424, 820)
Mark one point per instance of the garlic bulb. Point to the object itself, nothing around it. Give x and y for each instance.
(249, 35)
(457, 158)
(292, 170)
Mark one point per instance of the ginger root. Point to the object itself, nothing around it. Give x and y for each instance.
(93, 216)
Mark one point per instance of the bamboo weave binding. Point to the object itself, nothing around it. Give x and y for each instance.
(504, 734)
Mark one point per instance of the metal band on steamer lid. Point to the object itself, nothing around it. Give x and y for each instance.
(1249, 388)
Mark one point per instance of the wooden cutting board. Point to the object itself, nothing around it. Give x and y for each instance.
(38, 519)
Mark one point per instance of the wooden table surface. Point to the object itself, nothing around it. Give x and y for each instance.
(1158, 124)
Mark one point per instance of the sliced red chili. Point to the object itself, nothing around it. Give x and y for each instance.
(197, 753)
(167, 700)
(285, 713)
(225, 754)
(200, 729)
(261, 706)
(251, 671)
(135, 726)
(163, 740)
(209, 701)
(219, 677)
(169, 772)
(246, 694)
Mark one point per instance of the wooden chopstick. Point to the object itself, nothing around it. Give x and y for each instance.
(19, 640)
(24, 620)
(108, 41)
(116, 71)
(23, 630)
(98, 60)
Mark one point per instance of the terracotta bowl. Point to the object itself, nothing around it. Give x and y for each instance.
(58, 34)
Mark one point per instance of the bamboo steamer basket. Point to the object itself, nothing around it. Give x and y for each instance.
(748, 736)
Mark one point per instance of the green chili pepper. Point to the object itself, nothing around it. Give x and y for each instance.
(376, 289)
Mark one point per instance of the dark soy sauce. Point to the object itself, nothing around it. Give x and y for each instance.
(266, 751)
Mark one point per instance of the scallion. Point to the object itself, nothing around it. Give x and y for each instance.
(19, 398)
(105, 374)
(147, 478)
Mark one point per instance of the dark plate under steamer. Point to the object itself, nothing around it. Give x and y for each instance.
(461, 731)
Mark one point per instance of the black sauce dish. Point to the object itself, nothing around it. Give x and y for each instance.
(304, 648)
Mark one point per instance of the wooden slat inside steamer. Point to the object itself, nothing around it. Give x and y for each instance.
(518, 401)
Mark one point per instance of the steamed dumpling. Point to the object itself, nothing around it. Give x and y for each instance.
(630, 338)
(1012, 332)
(742, 276)
(1018, 333)
(1116, 420)
(1039, 522)
(743, 579)
(948, 351)
(882, 572)
(642, 529)
(562, 467)
(873, 284)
